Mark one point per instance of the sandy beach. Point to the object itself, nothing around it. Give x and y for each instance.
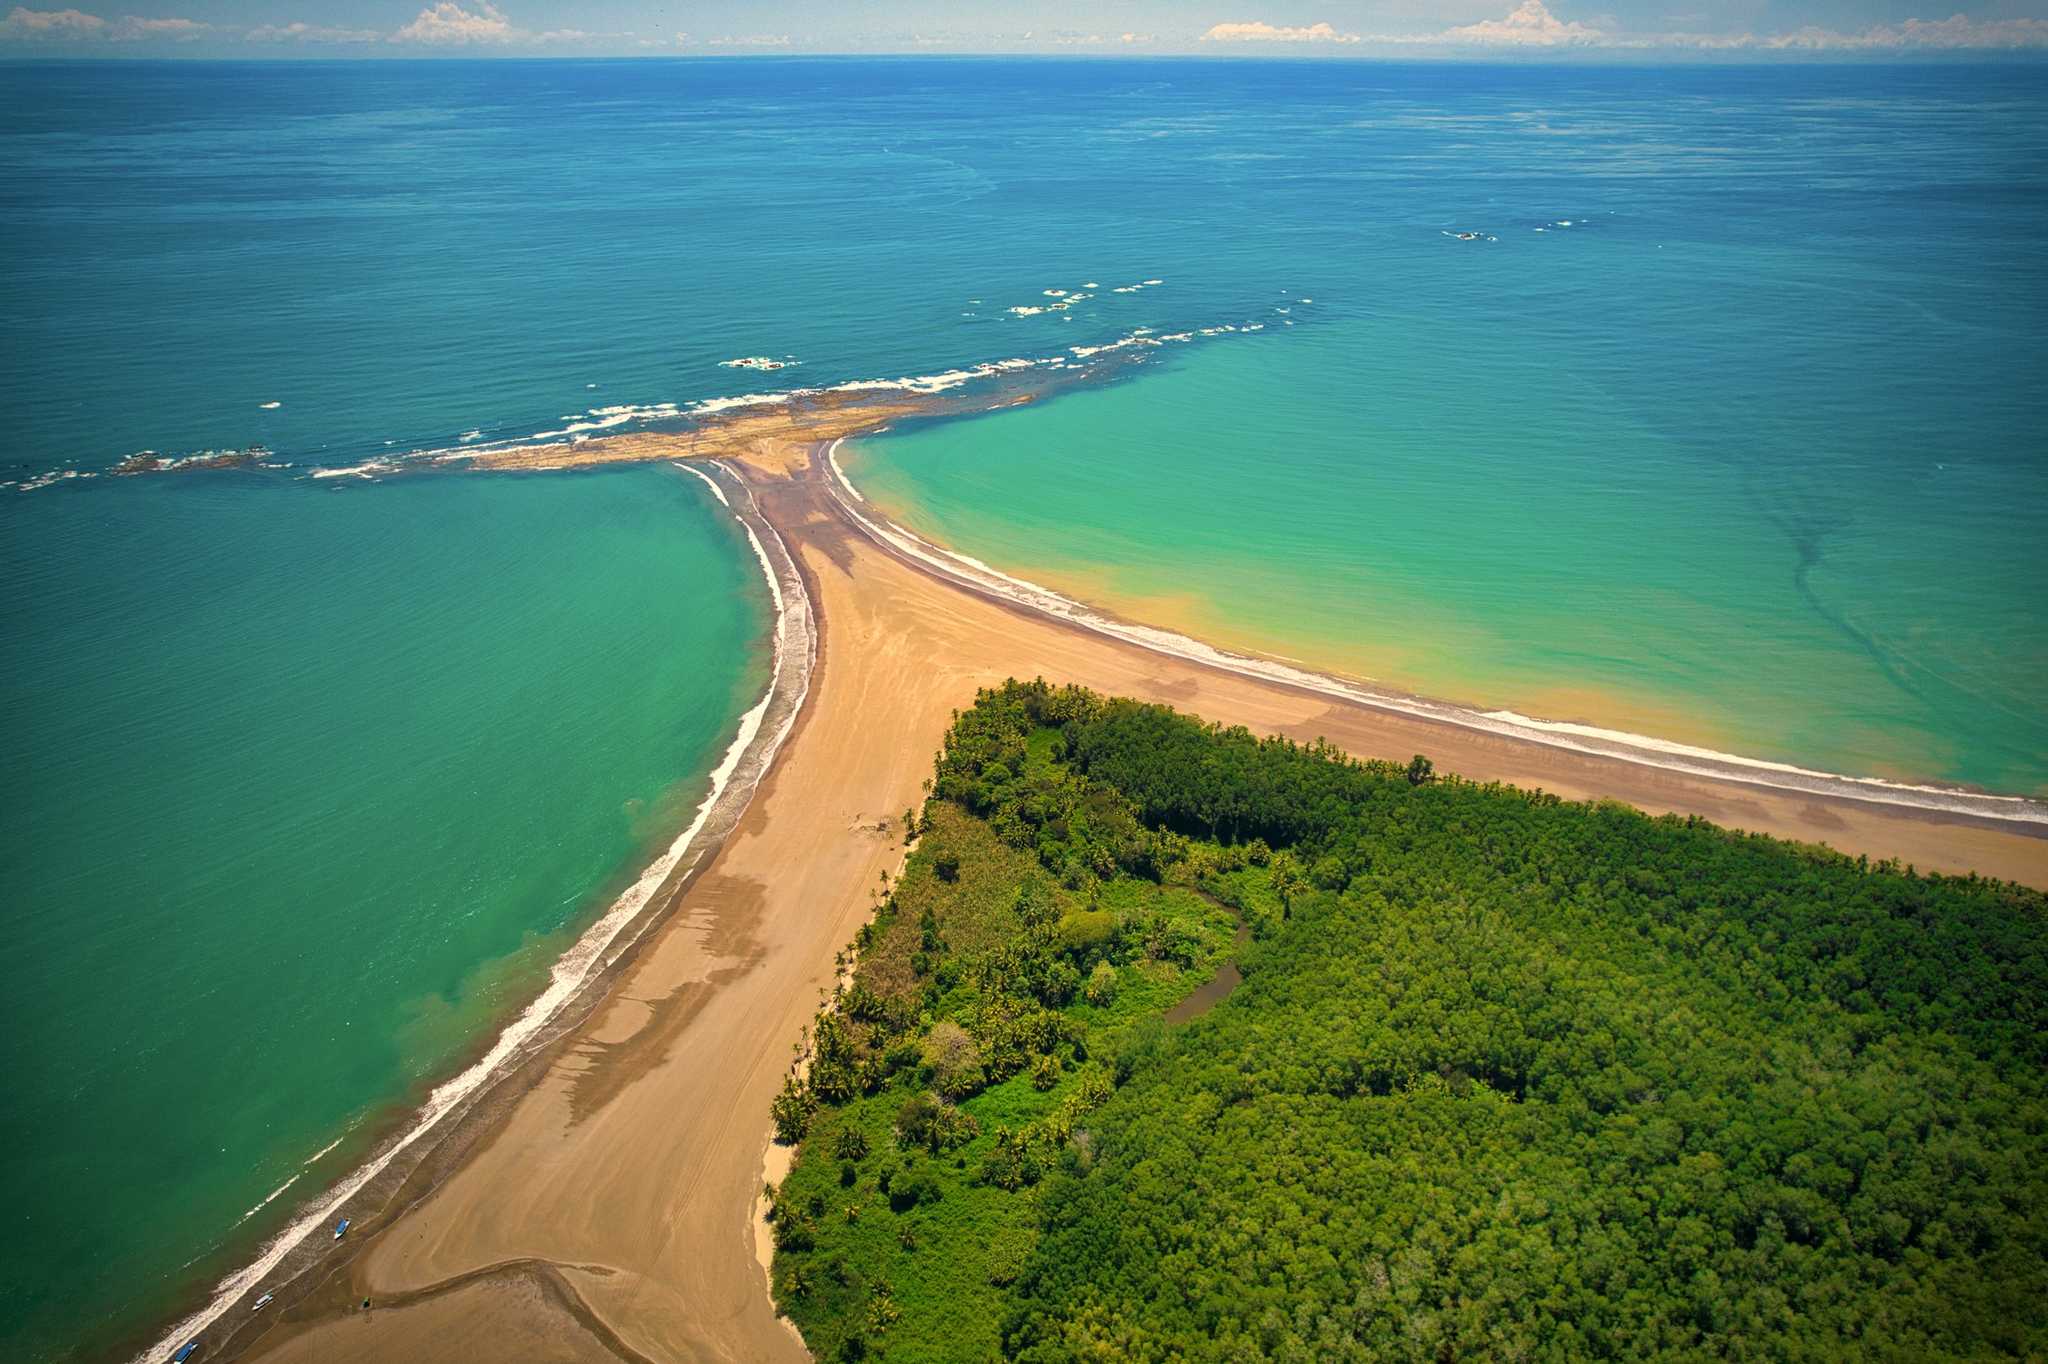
(603, 1205)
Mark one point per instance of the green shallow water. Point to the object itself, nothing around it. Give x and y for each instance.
(1417, 502)
(306, 782)
(324, 778)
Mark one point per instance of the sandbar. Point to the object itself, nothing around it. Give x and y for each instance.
(607, 1210)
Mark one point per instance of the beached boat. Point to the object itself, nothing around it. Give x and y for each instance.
(341, 1229)
(263, 1302)
(186, 1353)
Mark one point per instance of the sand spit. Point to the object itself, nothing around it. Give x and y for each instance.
(603, 1208)
(772, 437)
(296, 1263)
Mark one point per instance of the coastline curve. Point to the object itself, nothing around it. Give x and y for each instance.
(1643, 750)
(579, 978)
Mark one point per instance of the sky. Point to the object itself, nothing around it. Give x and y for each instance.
(1557, 30)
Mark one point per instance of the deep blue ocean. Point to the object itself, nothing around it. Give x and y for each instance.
(1705, 402)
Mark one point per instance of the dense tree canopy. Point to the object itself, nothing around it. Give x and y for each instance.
(1506, 1076)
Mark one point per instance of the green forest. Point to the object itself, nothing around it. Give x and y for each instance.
(1174, 1043)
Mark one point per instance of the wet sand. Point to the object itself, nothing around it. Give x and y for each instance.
(773, 437)
(608, 1208)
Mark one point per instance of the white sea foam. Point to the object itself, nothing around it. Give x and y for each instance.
(451, 453)
(1635, 748)
(268, 1199)
(1152, 283)
(1063, 299)
(579, 427)
(575, 967)
(367, 469)
(1137, 338)
(609, 417)
(934, 383)
(710, 405)
(194, 458)
(53, 476)
(270, 407)
(867, 386)
(756, 362)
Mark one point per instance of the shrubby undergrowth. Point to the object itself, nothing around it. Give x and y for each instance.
(1507, 1076)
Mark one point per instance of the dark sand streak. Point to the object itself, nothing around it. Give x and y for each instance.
(656, 1166)
(412, 1178)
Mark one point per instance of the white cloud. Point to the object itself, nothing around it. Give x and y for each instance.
(1958, 32)
(1262, 32)
(310, 33)
(753, 40)
(72, 25)
(449, 24)
(134, 29)
(1531, 25)
(51, 25)
(1135, 38)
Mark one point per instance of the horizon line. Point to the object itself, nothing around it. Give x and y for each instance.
(1619, 58)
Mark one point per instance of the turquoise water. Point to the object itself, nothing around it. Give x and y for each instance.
(1587, 567)
(307, 780)
(306, 786)
(1750, 455)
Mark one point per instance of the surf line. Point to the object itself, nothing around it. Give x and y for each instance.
(1642, 750)
(747, 759)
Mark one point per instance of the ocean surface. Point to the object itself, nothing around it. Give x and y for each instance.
(1729, 428)
(1725, 425)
